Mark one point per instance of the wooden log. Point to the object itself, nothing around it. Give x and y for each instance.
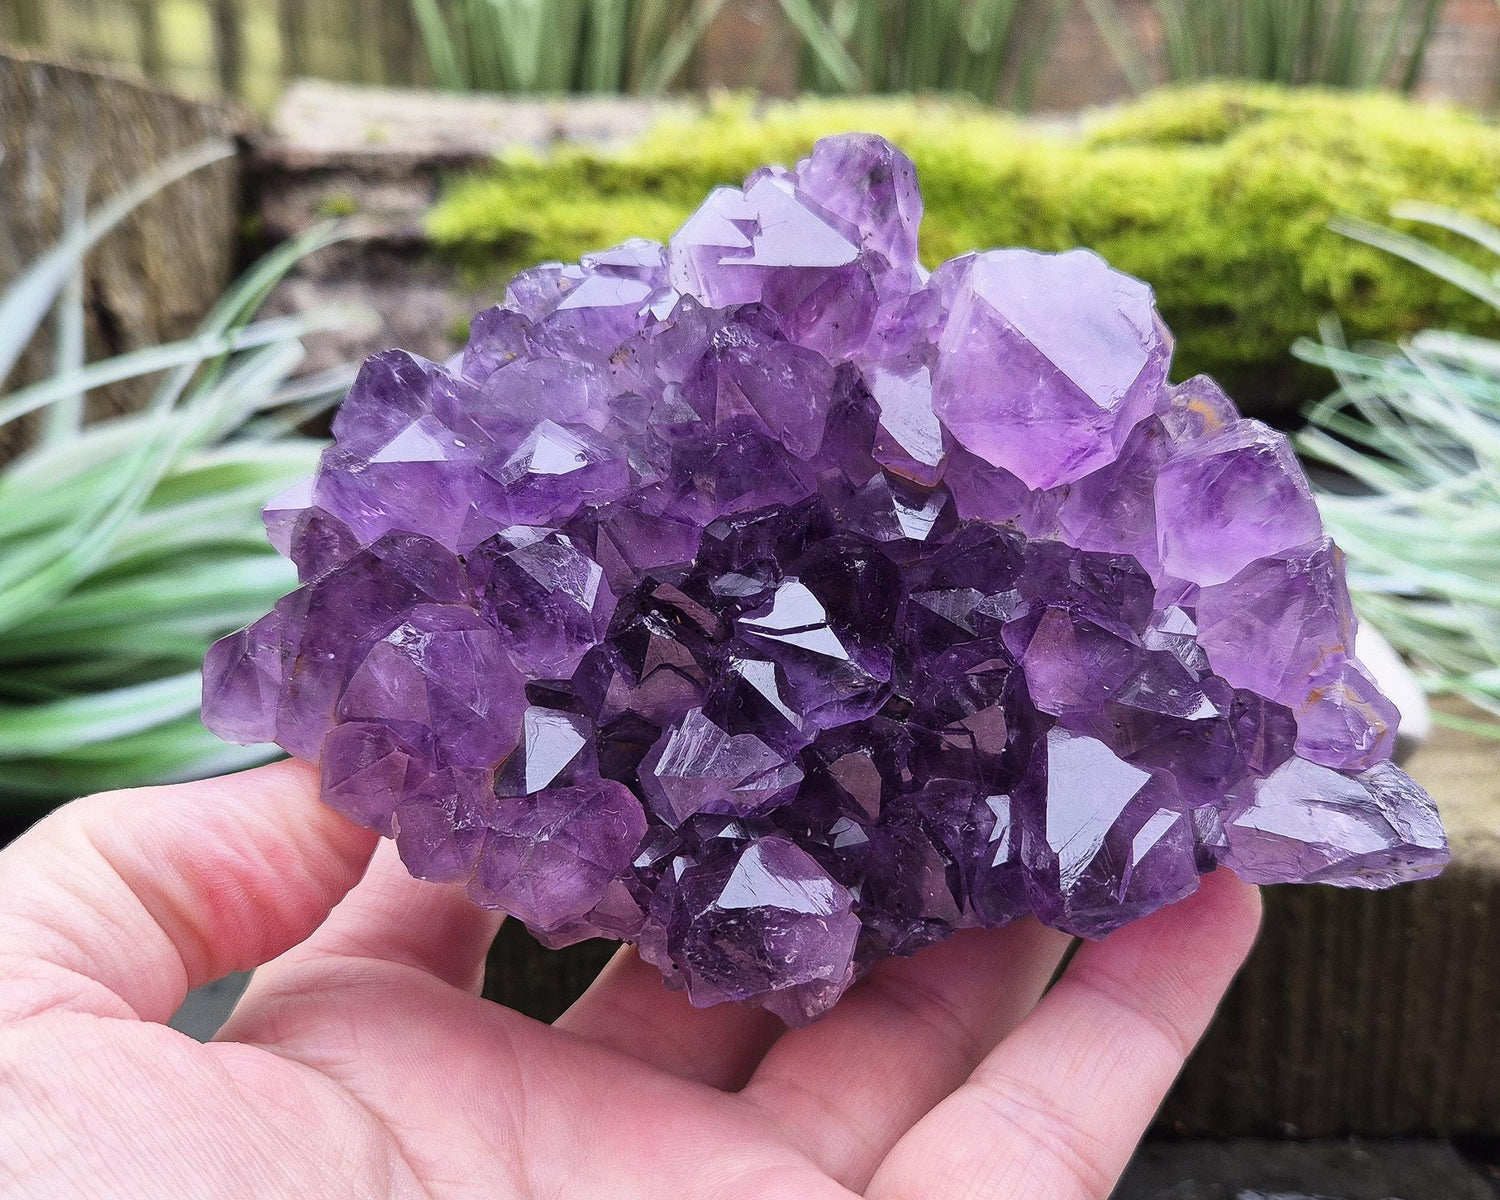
(158, 273)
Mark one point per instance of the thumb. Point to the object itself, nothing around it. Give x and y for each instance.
(119, 903)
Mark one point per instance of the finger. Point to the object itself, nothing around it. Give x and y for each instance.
(849, 1086)
(119, 903)
(389, 917)
(1055, 1112)
(629, 1009)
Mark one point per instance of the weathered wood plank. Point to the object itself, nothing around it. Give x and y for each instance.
(1371, 1012)
(153, 277)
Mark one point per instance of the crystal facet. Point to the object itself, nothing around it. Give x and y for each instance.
(771, 603)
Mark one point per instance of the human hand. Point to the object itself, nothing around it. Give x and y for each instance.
(362, 1062)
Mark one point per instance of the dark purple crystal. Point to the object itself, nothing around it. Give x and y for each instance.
(772, 604)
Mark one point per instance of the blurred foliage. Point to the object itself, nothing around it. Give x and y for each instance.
(1335, 43)
(983, 48)
(128, 545)
(1416, 425)
(987, 49)
(635, 46)
(1219, 196)
(171, 41)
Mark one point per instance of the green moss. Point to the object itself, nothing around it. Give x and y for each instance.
(338, 204)
(1218, 196)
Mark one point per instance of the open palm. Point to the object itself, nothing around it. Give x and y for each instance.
(362, 1061)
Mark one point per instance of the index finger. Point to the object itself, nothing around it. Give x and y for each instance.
(1057, 1108)
(119, 903)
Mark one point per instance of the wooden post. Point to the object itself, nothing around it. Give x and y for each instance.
(148, 38)
(229, 46)
(29, 23)
(365, 49)
(399, 48)
(292, 35)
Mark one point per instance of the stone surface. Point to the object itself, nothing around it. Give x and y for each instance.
(771, 603)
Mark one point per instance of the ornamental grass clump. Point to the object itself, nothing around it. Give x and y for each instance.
(129, 544)
(612, 46)
(1416, 425)
(991, 50)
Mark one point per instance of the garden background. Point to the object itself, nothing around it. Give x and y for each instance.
(1315, 202)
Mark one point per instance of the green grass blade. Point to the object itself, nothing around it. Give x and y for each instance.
(65, 417)
(1478, 231)
(437, 42)
(219, 585)
(1423, 254)
(171, 753)
(820, 39)
(1128, 55)
(1411, 73)
(152, 360)
(664, 67)
(25, 305)
(51, 728)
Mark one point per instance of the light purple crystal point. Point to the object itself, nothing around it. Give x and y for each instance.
(1345, 722)
(697, 767)
(1311, 823)
(1114, 508)
(553, 473)
(1047, 362)
(366, 771)
(748, 378)
(910, 440)
(548, 598)
(1279, 622)
(242, 683)
(1197, 408)
(281, 512)
(769, 925)
(728, 249)
(873, 186)
(771, 604)
(1102, 829)
(443, 678)
(442, 822)
(549, 858)
(1228, 499)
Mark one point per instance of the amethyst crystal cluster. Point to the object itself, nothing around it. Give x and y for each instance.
(776, 605)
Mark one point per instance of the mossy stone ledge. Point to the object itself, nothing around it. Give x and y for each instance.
(1218, 196)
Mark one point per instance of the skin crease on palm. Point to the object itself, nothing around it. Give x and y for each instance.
(362, 1061)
